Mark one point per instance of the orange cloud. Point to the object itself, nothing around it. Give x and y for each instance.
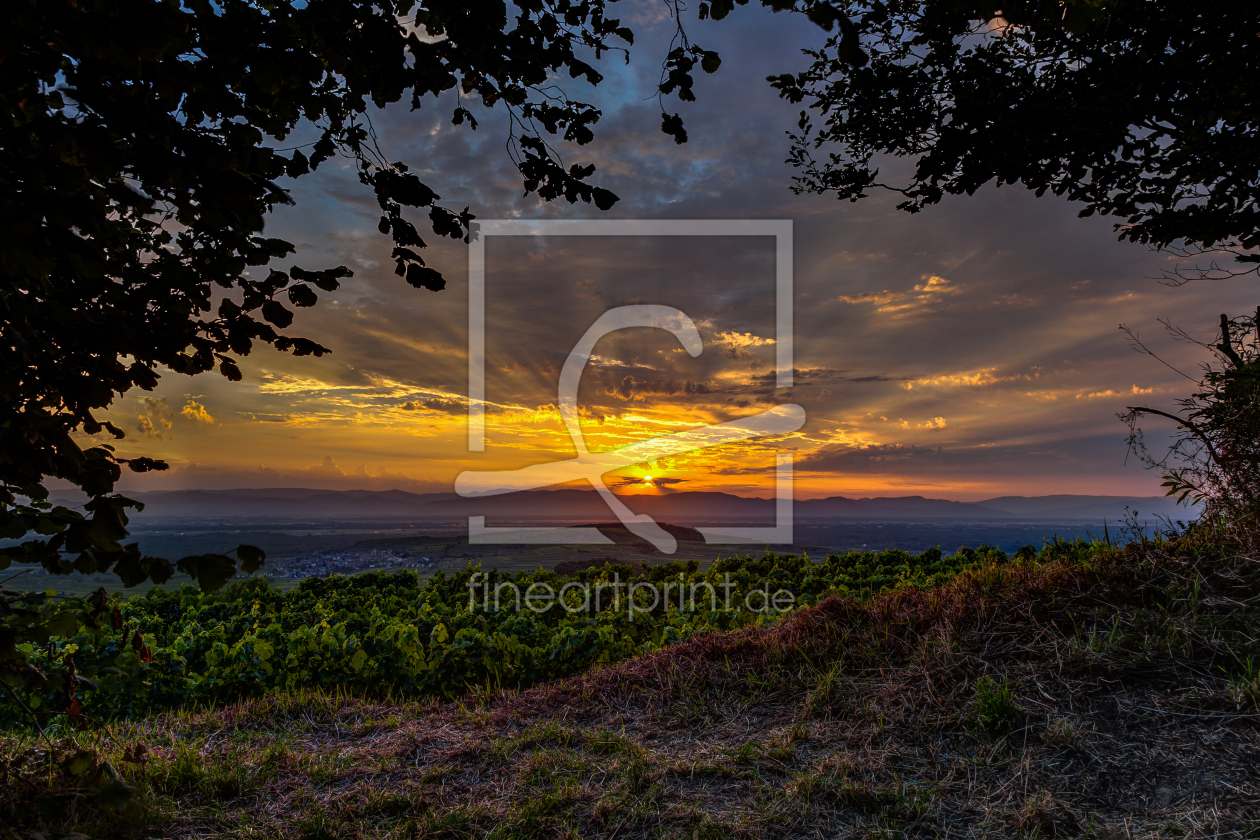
(196, 411)
(921, 296)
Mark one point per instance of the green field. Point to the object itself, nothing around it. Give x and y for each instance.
(400, 634)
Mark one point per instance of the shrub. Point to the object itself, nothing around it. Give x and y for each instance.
(1215, 456)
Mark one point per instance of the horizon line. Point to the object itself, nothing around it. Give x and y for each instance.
(632, 495)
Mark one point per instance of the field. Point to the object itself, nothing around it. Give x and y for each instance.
(398, 634)
(1095, 690)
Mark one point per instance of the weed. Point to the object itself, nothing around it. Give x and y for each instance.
(502, 749)
(612, 743)
(745, 753)
(460, 821)
(820, 700)
(993, 710)
(548, 813)
(1043, 817)
(1244, 690)
(639, 774)
(865, 796)
(323, 767)
(183, 773)
(705, 768)
(317, 827)
(1062, 732)
(710, 829)
(548, 766)
(782, 752)
(433, 774)
(810, 783)
(393, 805)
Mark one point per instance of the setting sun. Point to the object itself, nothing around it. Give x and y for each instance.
(648, 479)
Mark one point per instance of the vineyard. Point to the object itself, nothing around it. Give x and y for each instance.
(396, 635)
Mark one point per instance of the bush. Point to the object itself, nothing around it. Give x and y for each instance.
(1215, 456)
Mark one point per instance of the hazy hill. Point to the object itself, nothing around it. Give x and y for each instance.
(680, 506)
(897, 507)
(1067, 507)
(285, 502)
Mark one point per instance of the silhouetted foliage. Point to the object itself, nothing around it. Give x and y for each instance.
(1215, 456)
(1142, 110)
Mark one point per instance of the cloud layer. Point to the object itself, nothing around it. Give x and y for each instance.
(963, 352)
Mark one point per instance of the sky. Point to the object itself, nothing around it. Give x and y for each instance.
(969, 351)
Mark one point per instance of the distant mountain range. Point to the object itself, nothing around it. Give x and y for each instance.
(681, 507)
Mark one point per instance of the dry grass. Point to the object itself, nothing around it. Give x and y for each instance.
(1128, 715)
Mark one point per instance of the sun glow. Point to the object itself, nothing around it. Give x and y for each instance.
(648, 479)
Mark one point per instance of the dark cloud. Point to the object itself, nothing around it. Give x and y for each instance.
(1087, 458)
(630, 388)
(879, 457)
(155, 418)
(806, 376)
(633, 481)
(445, 406)
(877, 378)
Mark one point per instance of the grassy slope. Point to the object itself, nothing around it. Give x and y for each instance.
(849, 719)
